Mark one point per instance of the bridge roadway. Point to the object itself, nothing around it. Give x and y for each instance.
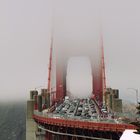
(79, 109)
(80, 113)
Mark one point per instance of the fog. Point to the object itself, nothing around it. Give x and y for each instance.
(25, 31)
(77, 32)
(79, 77)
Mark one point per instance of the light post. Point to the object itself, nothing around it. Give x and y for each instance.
(136, 90)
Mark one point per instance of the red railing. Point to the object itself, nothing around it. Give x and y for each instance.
(101, 126)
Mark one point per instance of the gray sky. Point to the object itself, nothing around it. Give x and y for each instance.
(25, 28)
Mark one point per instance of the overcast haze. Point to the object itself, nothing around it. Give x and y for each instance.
(25, 28)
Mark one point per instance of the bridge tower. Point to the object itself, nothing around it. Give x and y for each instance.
(58, 63)
(76, 31)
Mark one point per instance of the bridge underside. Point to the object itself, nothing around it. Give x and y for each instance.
(79, 130)
(68, 133)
